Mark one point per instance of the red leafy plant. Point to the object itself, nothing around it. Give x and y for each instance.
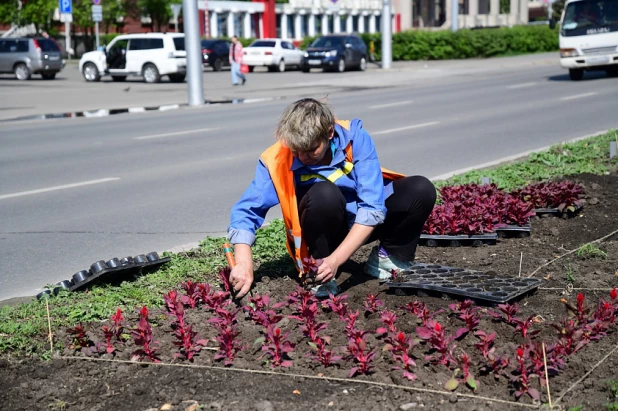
(113, 333)
(336, 304)
(277, 347)
(510, 310)
(372, 303)
(400, 346)
(261, 312)
(435, 336)
(192, 297)
(321, 353)
(186, 338)
(522, 379)
(224, 276)
(80, 340)
(565, 195)
(486, 342)
(309, 324)
(467, 312)
(463, 363)
(388, 318)
(227, 337)
(143, 337)
(360, 353)
(523, 327)
(420, 310)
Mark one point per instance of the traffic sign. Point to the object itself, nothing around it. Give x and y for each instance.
(97, 13)
(66, 6)
(96, 2)
(66, 18)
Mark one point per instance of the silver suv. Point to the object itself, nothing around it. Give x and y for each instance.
(27, 56)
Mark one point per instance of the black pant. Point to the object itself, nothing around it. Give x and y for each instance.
(323, 217)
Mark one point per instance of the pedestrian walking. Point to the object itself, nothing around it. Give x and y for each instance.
(334, 196)
(236, 54)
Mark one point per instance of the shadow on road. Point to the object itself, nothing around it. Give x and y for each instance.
(589, 75)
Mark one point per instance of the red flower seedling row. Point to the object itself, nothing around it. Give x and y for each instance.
(186, 338)
(143, 337)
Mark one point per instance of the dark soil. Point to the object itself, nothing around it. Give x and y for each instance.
(81, 384)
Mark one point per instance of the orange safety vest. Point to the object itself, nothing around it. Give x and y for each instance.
(278, 160)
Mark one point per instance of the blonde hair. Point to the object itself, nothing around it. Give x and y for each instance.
(303, 123)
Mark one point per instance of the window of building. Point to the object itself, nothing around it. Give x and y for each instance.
(304, 25)
(290, 33)
(222, 25)
(239, 24)
(355, 24)
(278, 19)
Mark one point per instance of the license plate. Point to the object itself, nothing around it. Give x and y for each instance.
(54, 57)
(315, 62)
(598, 60)
(255, 53)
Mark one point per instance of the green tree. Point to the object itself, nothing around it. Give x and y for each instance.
(159, 11)
(9, 11)
(37, 12)
(557, 8)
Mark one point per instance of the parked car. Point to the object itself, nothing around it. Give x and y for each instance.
(25, 56)
(216, 53)
(336, 52)
(150, 55)
(276, 54)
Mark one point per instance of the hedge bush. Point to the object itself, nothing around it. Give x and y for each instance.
(442, 45)
(463, 44)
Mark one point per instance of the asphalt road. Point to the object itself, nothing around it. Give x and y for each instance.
(80, 190)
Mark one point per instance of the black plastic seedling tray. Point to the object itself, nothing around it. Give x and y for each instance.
(554, 212)
(448, 282)
(511, 231)
(116, 268)
(458, 240)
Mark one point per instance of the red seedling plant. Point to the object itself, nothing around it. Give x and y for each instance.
(372, 303)
(309, 324)
(486, 342)
(523, 327)
(142, 336)
(81, 341)
(186, 338)
(388, 318)
(509, 310)
(522, 380)
(360, 353)
(224, 276)
(463, 362)
(400, 346)
(229, 344)
(118, 329)
(467, 313)
(192, 297)
(336, 304)
(321, 353)
(438, 341)
(277, 347)
(113, 333)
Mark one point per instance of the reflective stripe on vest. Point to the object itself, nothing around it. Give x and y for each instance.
(332, 177)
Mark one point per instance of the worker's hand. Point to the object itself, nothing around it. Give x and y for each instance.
(241, 278)
(327, 270)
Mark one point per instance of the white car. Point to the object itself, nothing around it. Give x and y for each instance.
(276, 54)
(150, 55)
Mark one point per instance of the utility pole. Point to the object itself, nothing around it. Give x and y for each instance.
(194, 52)
(387, 52)
(455, 15)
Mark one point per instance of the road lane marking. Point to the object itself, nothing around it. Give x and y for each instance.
(522, 85)
(177, 133)
(399, 103)
(394, 130)
(56, 188)
(594, 93)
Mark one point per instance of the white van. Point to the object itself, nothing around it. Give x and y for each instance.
(150, 55)
(589, 37)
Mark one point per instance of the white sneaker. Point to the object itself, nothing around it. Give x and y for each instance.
(381, 267)
(323, 290)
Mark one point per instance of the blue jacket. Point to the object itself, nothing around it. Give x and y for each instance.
(364, 187)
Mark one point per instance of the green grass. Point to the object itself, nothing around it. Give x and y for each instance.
(591, 251)
(23, 328)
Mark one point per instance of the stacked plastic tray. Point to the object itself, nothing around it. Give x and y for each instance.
(107, 271)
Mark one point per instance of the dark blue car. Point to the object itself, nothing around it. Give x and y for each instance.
(336, 52)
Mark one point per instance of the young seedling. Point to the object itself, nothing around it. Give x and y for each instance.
(372, 303)
(277, 347)
(523, 327)
(309, 324)
(142, 336)
(191, 297)
(321, 353)
(467, 313)
(400, 346)
(336, 304)
(388, 318)
(509, 310)
(522, 380)
(486, 342)
(224, 276)
(229, 345)
(438, 342)
(463, 362)
(360, 353)
(81, 342)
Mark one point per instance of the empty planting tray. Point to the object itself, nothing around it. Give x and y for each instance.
(475, 285)
(478, 240)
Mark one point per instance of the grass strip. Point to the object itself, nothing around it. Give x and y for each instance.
(23, 328)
